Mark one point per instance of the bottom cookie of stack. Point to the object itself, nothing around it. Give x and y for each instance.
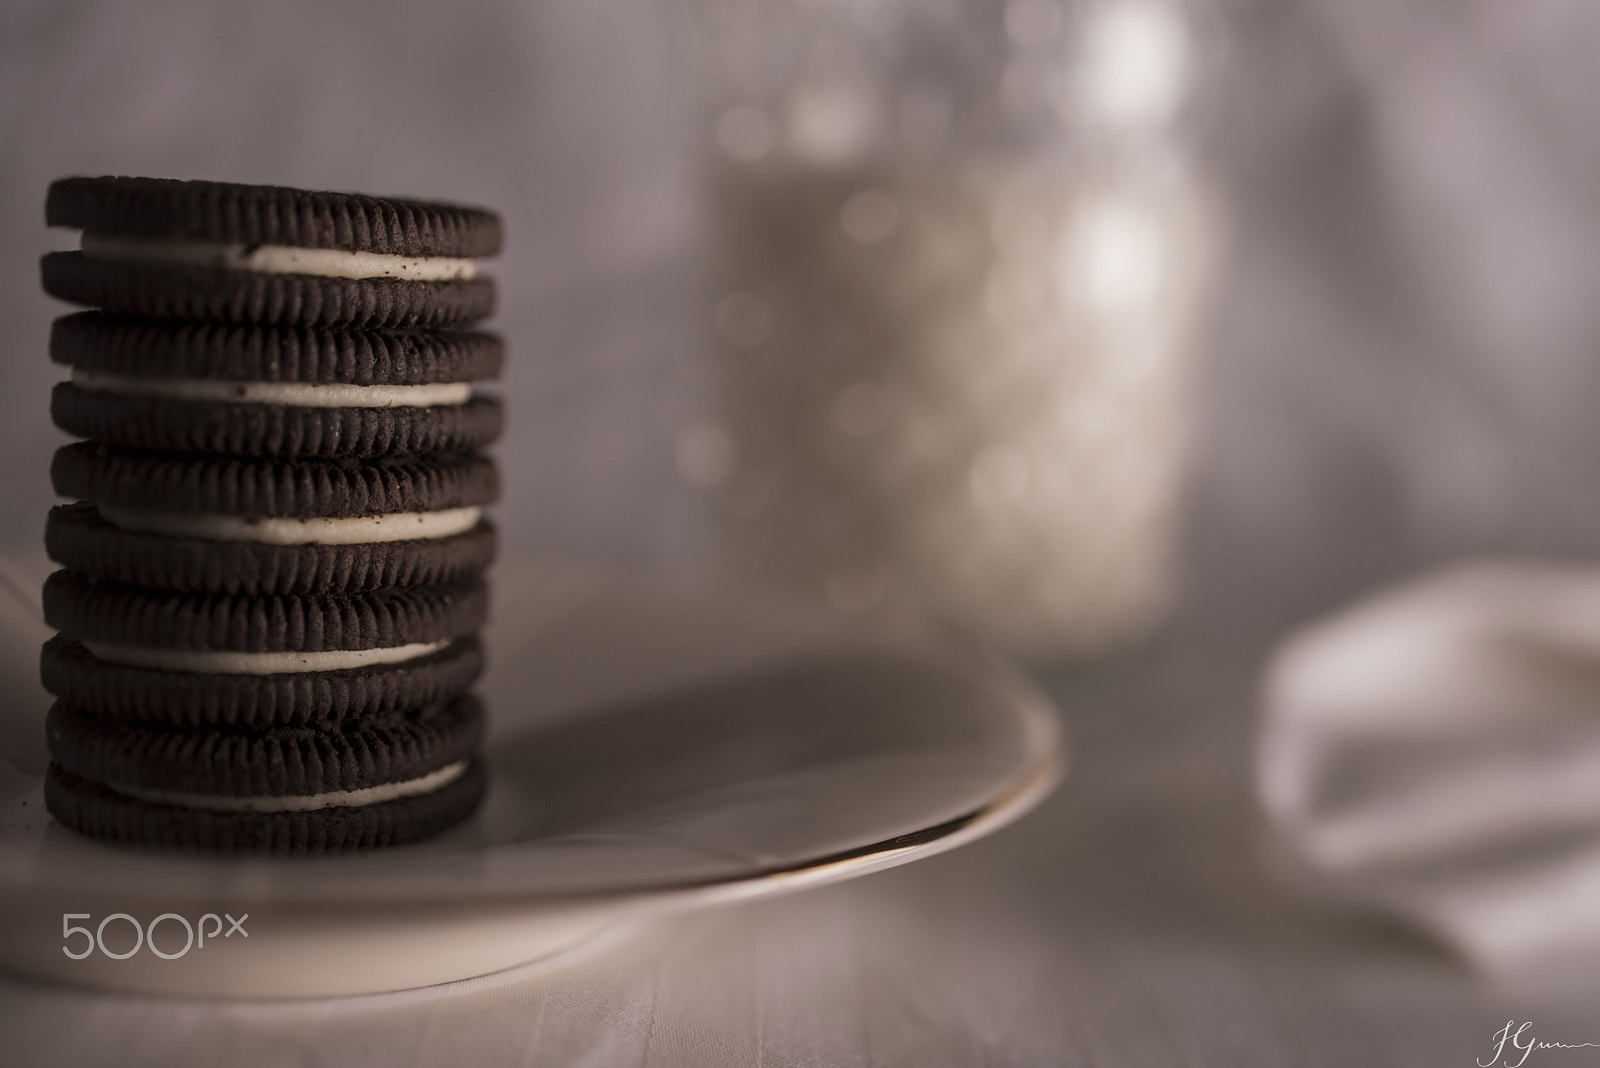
(375, 781)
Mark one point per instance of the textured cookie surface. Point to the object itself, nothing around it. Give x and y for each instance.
(271, 762)
(229, 680)
(265, 487)
(99, 812)
(124, 345)
(94, 611)
(216, 294)
(77, 538)
(230, 213)
(79, 678)
(275, 430)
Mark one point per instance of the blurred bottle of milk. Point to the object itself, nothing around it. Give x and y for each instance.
(958, 258)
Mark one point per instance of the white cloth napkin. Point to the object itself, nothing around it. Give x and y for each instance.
(1435, 751)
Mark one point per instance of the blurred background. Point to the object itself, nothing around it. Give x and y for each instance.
(1396, 365)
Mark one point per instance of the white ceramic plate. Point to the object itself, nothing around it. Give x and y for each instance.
(648, 750)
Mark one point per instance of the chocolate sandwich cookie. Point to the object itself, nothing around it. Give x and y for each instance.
(78, 538)
(129, 653)
(102, 343)
(143, 760)
(265, 391)
(231, 699)
(265, 634)
(199, 523)
(339, 822)
(263, 254)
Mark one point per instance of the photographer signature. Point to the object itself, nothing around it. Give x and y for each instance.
(1518, 1039)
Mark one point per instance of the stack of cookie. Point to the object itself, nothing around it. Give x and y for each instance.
(274, 566)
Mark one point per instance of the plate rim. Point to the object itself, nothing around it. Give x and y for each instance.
(1045, 749)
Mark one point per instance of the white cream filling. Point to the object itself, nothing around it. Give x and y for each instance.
(370, 795)
(347, 530)
(296, 394)
(228, 662)
(282, 259)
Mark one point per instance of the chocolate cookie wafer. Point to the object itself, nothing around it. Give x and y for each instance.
(261, 634)
(163, 762)
(370, 494)
(103, 343)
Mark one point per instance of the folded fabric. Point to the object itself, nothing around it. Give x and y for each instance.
(1435, 752)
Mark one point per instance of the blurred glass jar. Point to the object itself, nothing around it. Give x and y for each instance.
(958, 255)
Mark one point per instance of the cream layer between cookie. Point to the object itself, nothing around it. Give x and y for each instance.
(232, 662)
(281, 259)
(290, 394)
(370, 795)
(315, 530)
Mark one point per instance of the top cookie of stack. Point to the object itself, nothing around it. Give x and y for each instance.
(277, 544)
(265, 254)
